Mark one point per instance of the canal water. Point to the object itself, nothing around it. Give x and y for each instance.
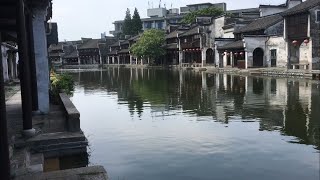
(145, 124)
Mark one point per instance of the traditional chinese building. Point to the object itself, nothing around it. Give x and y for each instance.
(56, 53)
(113, 52)
(9, 61)
(302, 35)
(89, 52)
(172, 47)
(123, 53)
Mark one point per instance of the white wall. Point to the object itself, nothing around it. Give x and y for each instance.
(158, 12)
(251, 44)
(270, 10)
(279, 44)
(219, 23)
(228, 33)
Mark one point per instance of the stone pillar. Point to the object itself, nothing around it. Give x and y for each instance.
(131, 59)
(180, 57)
(232, 59)
(225, 59)
(204, 56)
(246, 59)
(118, 60)
(41, 58)
(113, 59)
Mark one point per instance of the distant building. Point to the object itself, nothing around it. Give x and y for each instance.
(52, 33)
(161, 18)
(196, 7)
(266, 10)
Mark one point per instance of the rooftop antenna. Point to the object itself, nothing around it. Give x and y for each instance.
(148, 4)
(160, 4)
(171, 5)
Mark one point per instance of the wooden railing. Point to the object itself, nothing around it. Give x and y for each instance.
(191, 65)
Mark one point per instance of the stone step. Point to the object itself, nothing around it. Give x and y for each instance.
(51, 138)
(60, 146)
(86, 173)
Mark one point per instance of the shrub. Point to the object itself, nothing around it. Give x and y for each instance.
(60, 83)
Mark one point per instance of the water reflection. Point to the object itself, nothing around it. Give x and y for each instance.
(286, 105)
(167, 124)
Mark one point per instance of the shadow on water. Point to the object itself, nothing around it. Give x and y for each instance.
(286, 105)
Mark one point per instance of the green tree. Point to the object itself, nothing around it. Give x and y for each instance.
(136, 23)
(211, 11)
(127, 24)
(150, 45)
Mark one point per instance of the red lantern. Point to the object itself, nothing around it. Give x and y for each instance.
(241, 53)
(294, 42)
(306, 41)
(236, 54)
(222, 54)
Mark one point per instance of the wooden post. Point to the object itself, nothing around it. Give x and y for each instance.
(4, 149)
(33, 75)
(24, 64)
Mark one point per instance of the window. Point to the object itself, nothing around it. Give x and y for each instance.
(318, 16)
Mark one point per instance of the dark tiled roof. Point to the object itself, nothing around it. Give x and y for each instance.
(56, 47)
(261, 23)
(174, 34)
(90, 44)
(135, 38)
(126, 42)
(232, 45)
(303, 7)
(114, 52)
(73, 54)
(103, 47)
(54, 54)
(123, 51)
(171, 46)
(192, 31)
(116, 44)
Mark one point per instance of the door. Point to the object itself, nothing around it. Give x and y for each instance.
(273, 53)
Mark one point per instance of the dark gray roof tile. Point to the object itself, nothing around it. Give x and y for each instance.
(261, 23)
(303, 7)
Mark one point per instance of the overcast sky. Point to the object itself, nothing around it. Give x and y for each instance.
(89, 18)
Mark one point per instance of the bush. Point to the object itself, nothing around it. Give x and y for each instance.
(60, 83)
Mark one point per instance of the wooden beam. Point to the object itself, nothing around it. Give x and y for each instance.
(4, 148)
(24, 67)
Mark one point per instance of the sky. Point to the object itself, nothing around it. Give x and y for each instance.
(90, 18)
